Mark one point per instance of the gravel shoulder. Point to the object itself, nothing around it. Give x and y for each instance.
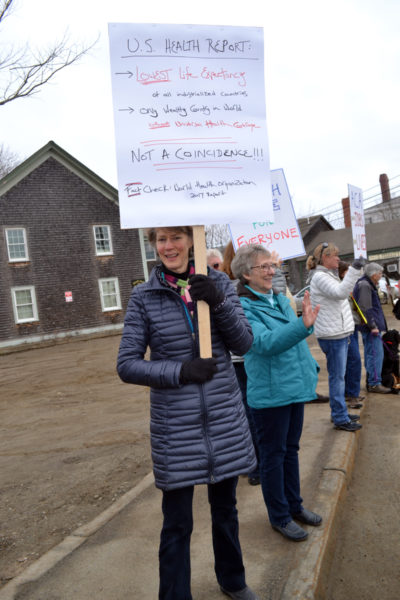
(73, 438)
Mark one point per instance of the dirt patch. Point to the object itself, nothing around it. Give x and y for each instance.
(73, 438)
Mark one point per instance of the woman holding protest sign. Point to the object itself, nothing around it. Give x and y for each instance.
(199, 431)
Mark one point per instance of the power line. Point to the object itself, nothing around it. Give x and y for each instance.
(329, 211)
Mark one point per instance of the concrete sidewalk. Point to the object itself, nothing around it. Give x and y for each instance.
(115, 556)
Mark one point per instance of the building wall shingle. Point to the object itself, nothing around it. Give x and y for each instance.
(58, 210)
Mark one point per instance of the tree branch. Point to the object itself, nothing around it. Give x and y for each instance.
(25, 71)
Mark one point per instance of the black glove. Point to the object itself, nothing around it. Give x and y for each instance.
(198, 370)
(359, 262)
(203, 288)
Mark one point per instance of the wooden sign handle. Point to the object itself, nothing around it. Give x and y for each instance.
(203, 310)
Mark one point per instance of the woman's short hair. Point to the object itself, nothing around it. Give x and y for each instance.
(214, 252)
(372, 268)
(152, 232)
(244, 257)
(324, 249)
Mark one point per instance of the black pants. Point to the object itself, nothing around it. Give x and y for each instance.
(242, 381)
(177, 528)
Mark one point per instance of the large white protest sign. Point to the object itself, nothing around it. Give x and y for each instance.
(281, 234)
(357, 221)
(189, 113)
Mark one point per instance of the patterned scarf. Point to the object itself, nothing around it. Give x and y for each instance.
(182, 287)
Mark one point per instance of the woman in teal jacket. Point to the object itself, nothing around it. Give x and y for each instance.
(282, 375)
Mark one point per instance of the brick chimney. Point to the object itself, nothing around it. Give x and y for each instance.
(385, 189)
(346, 211)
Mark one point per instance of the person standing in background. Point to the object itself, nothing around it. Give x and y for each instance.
(334, 324)
(214, 258)
(352, 378)
(253, 477)
(367, 298)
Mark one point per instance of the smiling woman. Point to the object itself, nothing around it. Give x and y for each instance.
(281, 376)
(172, 246)
(199, 429)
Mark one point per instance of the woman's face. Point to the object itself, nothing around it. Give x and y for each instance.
(330, 261)
(261, 273)
(173, 249)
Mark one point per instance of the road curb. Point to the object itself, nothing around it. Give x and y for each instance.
(69, 544)
(311, 569)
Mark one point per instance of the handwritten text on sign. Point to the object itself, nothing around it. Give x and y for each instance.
(282, 234)
(357, 221)
(189, 113)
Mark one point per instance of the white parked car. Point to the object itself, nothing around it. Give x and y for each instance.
(298, 298)
(384, 292)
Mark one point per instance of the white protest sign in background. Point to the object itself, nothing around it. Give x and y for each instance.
(357, 221)
(190, 127)
(281, 234)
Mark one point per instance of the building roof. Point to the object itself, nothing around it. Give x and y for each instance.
(384, 235)
(306, 224)
(52, 150)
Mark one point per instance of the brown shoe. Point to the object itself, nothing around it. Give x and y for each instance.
(319, 399)
(354, 402)
(379, 389)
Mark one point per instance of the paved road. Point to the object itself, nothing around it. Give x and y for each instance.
(366, 564)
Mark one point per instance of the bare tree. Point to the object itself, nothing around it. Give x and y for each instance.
(217, 236)
(25, 70)
(8, 160)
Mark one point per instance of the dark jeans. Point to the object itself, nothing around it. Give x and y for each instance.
(242, 381)
(352, 378)
(174, 551)
(278, 435)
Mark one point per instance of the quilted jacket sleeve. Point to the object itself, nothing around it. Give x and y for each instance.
(131, 365)
(230, 319)
(331, 288)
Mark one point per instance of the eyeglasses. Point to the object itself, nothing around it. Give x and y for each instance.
(265, 267)
(323, 247)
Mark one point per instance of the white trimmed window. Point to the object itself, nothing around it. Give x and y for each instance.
(109, 294)
(24, 304)
(149, 250)
(102, 238)
(16, 245)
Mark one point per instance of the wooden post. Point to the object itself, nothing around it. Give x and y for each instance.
(203, 311)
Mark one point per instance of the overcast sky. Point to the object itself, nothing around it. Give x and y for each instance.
(332, 76)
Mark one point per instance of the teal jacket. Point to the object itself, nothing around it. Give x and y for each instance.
(279, 365)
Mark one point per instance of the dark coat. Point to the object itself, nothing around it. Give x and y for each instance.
(199, 432)
(391, 365)
(367, 298)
